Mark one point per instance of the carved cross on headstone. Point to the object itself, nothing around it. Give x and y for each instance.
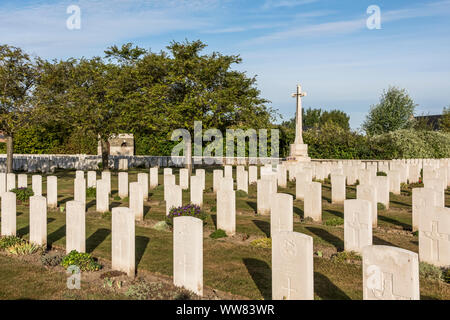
(289, 289)
(298, 118)
(387, 292)
(356, 226)
(435, 236)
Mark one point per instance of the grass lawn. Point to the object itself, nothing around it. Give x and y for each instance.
(232, 264)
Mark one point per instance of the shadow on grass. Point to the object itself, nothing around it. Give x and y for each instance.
(23, 231)
(403, 204)
(253, 205)
(336, 213)
(381, 242)
(96, 239)
(261, 274)
(326, 289)
(141, 245)
(214, 219)
(299, 212)
(56, 235)
(146, 210)
(264, 226)
(90, 204)
(328, 237)
(395, 222)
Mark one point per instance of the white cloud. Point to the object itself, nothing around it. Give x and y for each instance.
(285, 3)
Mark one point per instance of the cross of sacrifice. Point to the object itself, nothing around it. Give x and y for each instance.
(298, 117)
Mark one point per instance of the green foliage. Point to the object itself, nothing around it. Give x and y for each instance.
(317, 118)
(444, 123)
(446, 275)
(190, 210)
(219, 233)
(346, 256)
(84, 261)
(381, 206)
(9, 241)
(91, 192)
(241, 194)
(23, 194)
(161, 226)
(265, 243)
(22, 248)
(395, 111)
(430, 271)
(334, 222)
(381, 174)
(51, 259)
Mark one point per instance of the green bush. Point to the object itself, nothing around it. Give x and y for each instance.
(381, 174)
(23, 194)
(429, 271)
(9, 241)
(91, 192)
(241, 194)
(219, 233)
(22, 248)
(84, 261)
(446, 275)
(265, 243)
(51, 259)
(381, 206)
(334, 222)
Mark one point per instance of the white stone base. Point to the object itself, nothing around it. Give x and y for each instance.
(299, 153)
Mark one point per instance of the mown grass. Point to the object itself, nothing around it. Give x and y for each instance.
(230, 264)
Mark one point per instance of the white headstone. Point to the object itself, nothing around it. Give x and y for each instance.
(369, 193)
(434, 236)
(217, 176)
(143, 180)
(92, 179)
(357, 225)
(123, 184)
(52, 191)
(390, 273)
(22, 181)
(8, 206)
(153, 177)
(292, 266)
(184, 179)
(106, 176)
(174, 197)
(382, 184)
(102, 196)
(10, 181)
(38, 220)
(136, 200)
(188, 253)
(123, 241)
(196, 191)
(338, 189)
(281, 213)
(226, 211)
(80, 190)
(313, 201)
(75, 226)
(252, 174)
(264, 193)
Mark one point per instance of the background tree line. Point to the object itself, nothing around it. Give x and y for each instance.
(67, 106)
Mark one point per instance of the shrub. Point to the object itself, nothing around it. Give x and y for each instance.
(429, 271)
(91, 192)
(161, 226)
(23, 194)
(191, 210)
(241, 194)
(23, 248)
(52, 259)
(262, 243)
(381, 206)
(334, 222)
(219, 233)
(446, 275)
(381, 174)
(9, 241)
(84, 261)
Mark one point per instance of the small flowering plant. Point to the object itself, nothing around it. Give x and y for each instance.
(191, 210)
(23, 194)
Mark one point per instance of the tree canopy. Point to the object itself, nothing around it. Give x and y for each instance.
(395, 111)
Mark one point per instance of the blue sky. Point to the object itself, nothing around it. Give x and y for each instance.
(322, 44)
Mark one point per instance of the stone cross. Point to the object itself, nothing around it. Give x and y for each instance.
(298, 117)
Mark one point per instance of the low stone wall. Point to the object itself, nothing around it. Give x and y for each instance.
(49, 163)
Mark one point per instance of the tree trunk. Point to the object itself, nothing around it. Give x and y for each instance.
(9, 153)
(105, 154)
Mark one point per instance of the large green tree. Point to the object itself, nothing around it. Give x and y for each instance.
(445, 120)
(17, 75)
(394, 111)
(316, 118)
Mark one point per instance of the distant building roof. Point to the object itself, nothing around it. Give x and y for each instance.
(432, 120)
